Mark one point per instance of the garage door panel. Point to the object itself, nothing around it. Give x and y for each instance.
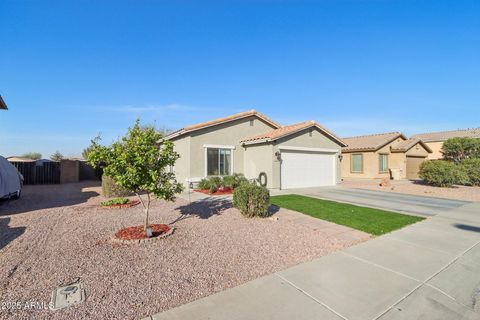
(307, 169)
(413, 166)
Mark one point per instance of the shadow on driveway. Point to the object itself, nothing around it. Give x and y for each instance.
(467, 227)
(8, 234)
(37, 197)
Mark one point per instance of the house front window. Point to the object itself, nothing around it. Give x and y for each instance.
(219, 162)
(357, 163)
(383, 163)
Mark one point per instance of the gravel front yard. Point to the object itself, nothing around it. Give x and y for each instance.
(57, 233)
(417, 188)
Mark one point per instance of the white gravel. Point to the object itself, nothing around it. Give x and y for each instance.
(57, 233)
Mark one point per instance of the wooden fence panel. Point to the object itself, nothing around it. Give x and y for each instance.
(43, 173)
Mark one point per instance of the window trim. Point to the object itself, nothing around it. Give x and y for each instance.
(213, 146)
(351, 162)
(379, 155)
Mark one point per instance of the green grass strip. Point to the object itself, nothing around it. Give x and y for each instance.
(373, 221)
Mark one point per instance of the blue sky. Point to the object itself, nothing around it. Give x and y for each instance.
(72, 69)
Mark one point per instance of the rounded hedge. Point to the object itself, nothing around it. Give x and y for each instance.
(251, 200)
(442, 173)
(471, 168)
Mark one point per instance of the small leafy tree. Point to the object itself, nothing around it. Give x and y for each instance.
(57, 156)
(33, 155)
(86, 151)
(139, 163)
(459, 149)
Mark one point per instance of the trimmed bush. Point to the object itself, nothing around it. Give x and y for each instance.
(471, 168)
(442, 173)
(111, 189)
(251, 200)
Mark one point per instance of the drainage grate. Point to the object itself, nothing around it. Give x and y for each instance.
(64, 297)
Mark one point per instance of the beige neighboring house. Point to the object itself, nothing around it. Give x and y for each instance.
(385, 155)
(435, 140)
(299, 155)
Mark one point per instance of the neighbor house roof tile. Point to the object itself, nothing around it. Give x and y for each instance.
(406, 145)
(371, 142)
(444, 135)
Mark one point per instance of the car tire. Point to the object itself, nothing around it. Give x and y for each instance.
(16, 195)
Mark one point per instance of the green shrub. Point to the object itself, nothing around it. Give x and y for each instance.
(216, 182)
(471, 168)
(442, 173)
(239, 179)
(115, 201)
(204, 184)
(228, 181)
(461, 148)
(212, 189)
(232, 181)
(111, 189)
(251, 200)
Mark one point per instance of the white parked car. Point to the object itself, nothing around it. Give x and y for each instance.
(11, 181)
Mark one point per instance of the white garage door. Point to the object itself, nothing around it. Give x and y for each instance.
(307, 169)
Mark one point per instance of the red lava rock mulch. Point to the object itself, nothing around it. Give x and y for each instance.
(125, 205)
(138, 232)
(216, 193)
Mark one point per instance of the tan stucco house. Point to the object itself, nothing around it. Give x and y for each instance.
(435, 140)
(299, 155)
(385, 155)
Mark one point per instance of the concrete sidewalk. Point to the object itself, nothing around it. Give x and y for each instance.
(429, 270)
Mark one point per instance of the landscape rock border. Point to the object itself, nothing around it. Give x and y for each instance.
(146, 240)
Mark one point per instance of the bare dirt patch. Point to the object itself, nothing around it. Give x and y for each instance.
(417, 188)
(57, 233)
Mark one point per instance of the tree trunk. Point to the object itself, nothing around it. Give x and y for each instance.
(146, 208)
(147, 211)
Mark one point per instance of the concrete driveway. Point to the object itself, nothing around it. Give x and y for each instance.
(425, 271)
(424, 206)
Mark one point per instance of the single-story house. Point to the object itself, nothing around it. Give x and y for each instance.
(435, 140)
(3, 105)
(383, 155)
(300, 155)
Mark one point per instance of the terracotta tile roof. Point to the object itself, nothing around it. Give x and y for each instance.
(233, 117)
(371, 142)
(406, 145)
(444, 135)
(3, 105)
(288, 130)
